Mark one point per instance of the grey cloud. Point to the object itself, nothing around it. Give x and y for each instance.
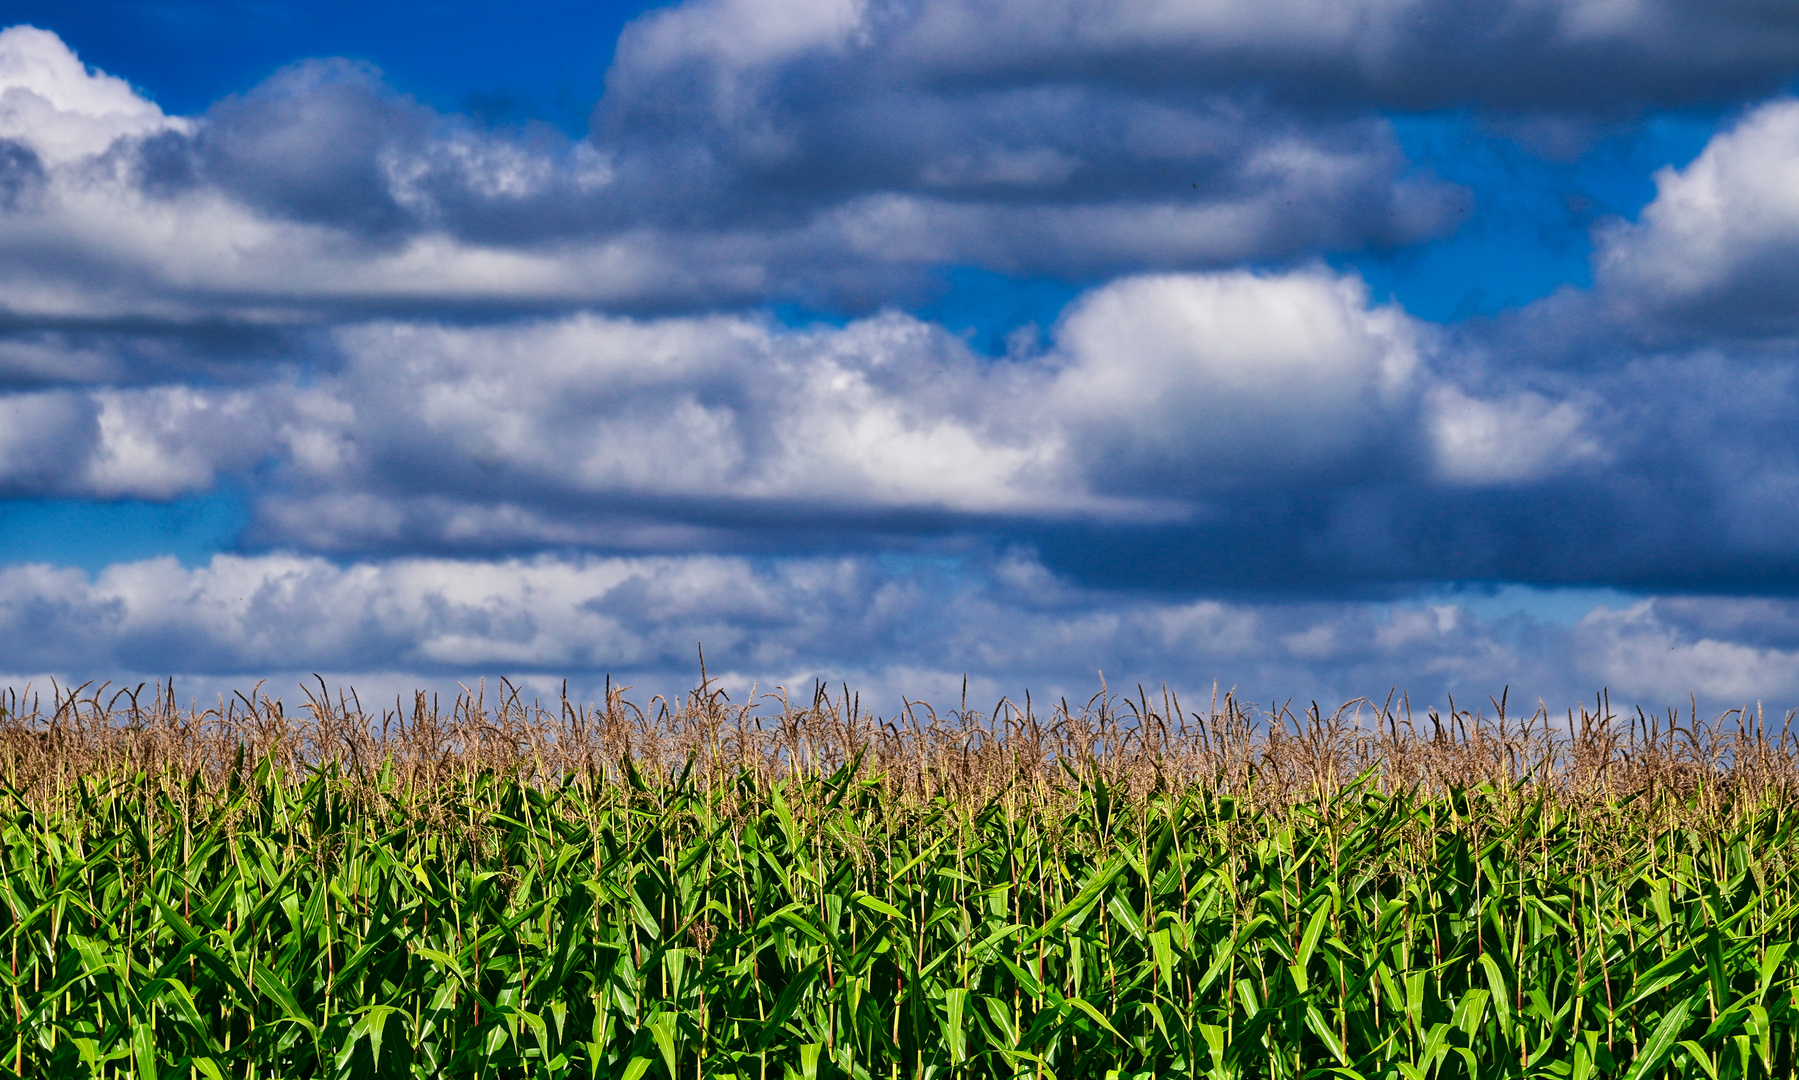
(1755, 621)
(327, 142)
(828, 152)
(1165, 437)
(44, 439)
(1408, 54)
(35, 359)
(310, 145)
(21, 175)
(324, 194)
(139, 352)
(156, 442)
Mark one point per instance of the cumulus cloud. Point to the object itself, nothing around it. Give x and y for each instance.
(1717, 251)
(1218, 430)
(834, 153)
(1662, 648)
(155, 442)
(60, 111)
(1521, 437)
(323, 193)
(1183, 385)
(1156, 391)
(1156, 394)
(412, 337)
(1222, 430)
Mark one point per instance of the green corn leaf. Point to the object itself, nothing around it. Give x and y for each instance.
(637, 1066)
(143, 1051)
(1320, 1027)
(1314, 930)
(1661, 1042)
(662, 1031)
(955, 1031)
(1502, 1000)
(1701, 1057)
(1097, 1017)
(1084, 899)
(875, 905)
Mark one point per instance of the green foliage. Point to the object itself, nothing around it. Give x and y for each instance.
(319, 925)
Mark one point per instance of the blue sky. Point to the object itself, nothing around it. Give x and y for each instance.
(1312, 348)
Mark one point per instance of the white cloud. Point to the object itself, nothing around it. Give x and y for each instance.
(1657, 658)
(1157, 391)
(166, 441)
(1719, 245)
(156, 442)
(1158, 399)
(887, 411)
(727, 36)
(1228, 428)
(64, 111)
(1201, 383)
(1521, 437)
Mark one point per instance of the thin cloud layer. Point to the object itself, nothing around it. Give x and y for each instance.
(1410, 54)
(912, 630)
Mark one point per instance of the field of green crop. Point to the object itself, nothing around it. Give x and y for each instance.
(224, 895)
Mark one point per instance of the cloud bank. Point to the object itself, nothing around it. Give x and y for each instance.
(496, 398)
(912, 630)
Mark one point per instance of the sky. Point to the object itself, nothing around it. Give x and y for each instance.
(1317, 349)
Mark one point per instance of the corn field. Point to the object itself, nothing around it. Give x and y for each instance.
(705, 890)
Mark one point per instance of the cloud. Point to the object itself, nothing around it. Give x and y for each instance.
(889, 627)
(1224, 430)
(1271, 432)
(1157, 394)
(1604, 55)
(1194, 384)
(1716, 254)
(322, 194)
(59, 111)
(1521, 437)
(156, 442)
(436, 350)
(1666, 657)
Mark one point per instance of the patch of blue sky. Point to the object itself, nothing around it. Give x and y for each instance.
(994, 313)
(1533, 200)
(1494, 602)
(503, 62)
(989, 309)
(93, 534)
(796, 316)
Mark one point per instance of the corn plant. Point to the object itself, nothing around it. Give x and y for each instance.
(316, 925)
(685, 893)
